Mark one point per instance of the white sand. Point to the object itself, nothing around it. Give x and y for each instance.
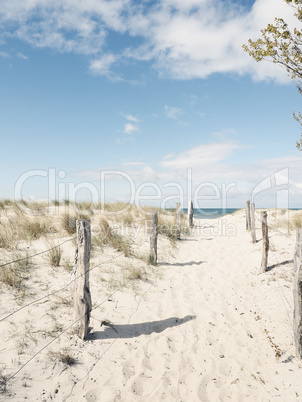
(207, 326)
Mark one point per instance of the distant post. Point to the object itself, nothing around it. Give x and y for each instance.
(265, 241)
(178, 220)
(153, 238)
(253, 229)
(82, 296)
(190, 214)
(298, 294)
(248, 215)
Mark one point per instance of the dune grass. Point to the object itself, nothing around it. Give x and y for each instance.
(15, 275)
(54, 254)
(110, 237)
(69, 221)
(289, 224)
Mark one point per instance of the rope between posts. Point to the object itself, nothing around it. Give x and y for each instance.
(35, 255)
(58, 290)
(58, 336)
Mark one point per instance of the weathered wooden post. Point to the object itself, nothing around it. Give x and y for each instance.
(248, 215)
(178, 220)
(190, 214)
(265, 241)
(82, 296)
(253, 229)
(298, 294)
(153, 238)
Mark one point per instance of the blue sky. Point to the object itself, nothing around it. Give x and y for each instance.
(158, 90)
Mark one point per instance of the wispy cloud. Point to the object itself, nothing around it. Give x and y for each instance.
(22, 56)
(213, 164)
(132, 118)
(130, 128)
(181, 39)
(173, 112)
(102, 66)
(4, 55)
(200, 157)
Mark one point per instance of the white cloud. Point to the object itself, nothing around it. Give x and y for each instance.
(181, 39)
(22, 56)
(216, 163)
(173, 112)
(102, 66)
(201, 156)
(130, 128)
(131, 118)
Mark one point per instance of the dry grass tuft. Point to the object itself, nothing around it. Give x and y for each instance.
(288, 224)
(108, 236)
(69, 221)
(63, 357)
(17, 273)
(3, 381)
(136, 273)
(54, 254)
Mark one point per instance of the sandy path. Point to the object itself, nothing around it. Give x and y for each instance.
(209, 328)
(199, 334)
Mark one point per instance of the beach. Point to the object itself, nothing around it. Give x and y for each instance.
(204, 324)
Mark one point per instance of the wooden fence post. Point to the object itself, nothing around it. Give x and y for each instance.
(253, 229)
(248, 215)
(190, 214)
(265, 241)
(153, 238)
(298, 294)
(178, 220)
(82, 296)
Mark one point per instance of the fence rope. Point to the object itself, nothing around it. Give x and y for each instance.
(66, 329)
(35, 255)
(59, 290)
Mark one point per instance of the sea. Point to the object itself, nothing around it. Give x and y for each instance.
(211, 213)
